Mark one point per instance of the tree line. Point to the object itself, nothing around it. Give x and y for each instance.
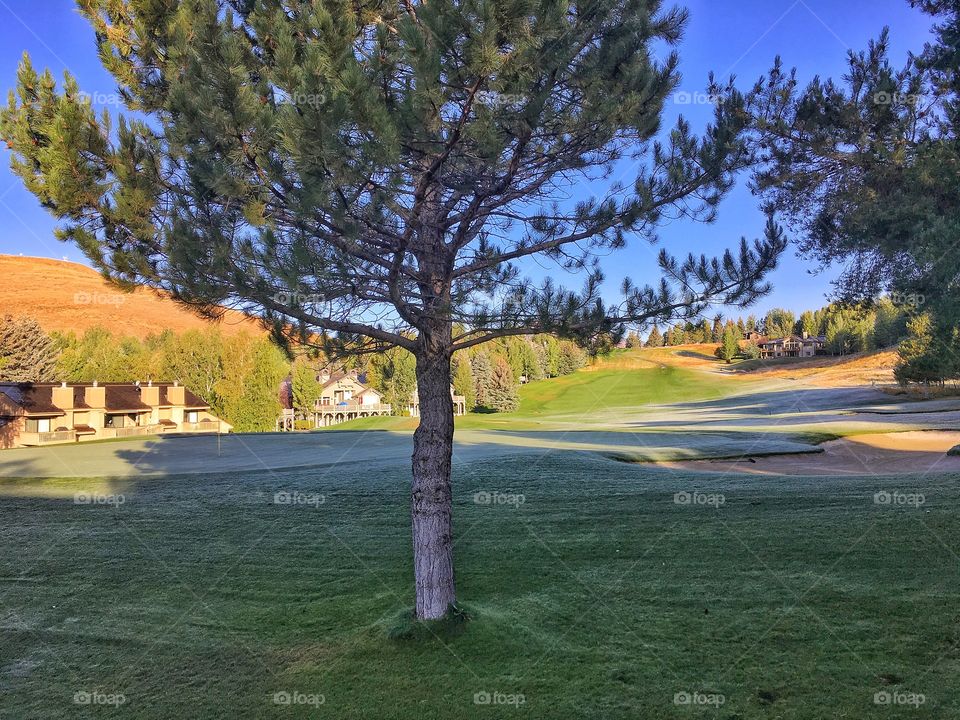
(846, 328)
(240, 376)
(487, 376)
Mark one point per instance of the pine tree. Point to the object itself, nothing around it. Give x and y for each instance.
(27, 353)
(706, 332)
(655, 339)
(634, 341)
(502, 396)
(716, 333)
(344, 171)
(865, 167)
(729, 348)
(482, 370)
(463, 380)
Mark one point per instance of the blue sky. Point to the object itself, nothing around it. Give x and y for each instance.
(739, 37)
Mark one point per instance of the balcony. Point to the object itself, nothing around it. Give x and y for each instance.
(47, 438)
(137, 430)
(354, 409)
(202, 426)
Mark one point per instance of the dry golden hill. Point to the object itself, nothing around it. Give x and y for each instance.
(65, 296)
(831, 371)
(823, 370)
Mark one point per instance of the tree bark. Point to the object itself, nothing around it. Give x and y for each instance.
(432, 497)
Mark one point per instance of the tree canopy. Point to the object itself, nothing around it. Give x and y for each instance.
(865, 171)
(355, 168)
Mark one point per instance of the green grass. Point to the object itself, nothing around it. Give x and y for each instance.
(588, 391)
(587, 396)
(597, 597)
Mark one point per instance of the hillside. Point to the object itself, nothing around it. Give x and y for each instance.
(827, 370)
(65, 296)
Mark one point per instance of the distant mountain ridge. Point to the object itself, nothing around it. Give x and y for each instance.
(64, 296)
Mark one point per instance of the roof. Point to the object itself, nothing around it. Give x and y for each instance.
(190, 400)
(37, 398)
(33, 399)
(338, 377)
(124, 397)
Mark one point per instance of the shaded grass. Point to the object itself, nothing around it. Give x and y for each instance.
(595, 597)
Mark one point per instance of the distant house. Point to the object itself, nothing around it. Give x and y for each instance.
(459, 403)
(33, 414)
(793, 346)
(343, 397)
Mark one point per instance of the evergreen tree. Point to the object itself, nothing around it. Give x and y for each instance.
(304, 387)
(538, 371)
(729, 347)
(572, 358)
(655, 339)
(633, 340)
(502, 395)
(925, 356)
(323, 164)
(865, 168)
(482, 377)
(706, 332)
(27, 353)
(716, 332)
(889, 325)
(463, 380)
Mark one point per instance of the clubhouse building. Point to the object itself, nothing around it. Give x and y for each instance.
(33, 414)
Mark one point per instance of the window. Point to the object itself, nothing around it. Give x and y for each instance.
(192, 416)
(113, 421)
(38, 425)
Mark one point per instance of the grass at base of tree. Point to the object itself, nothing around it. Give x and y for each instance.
(592, 593)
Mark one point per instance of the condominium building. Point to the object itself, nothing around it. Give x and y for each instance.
(34, 414)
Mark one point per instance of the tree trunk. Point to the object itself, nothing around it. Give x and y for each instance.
(432, 502)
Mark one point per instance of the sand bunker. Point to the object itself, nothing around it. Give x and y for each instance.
(875, 454)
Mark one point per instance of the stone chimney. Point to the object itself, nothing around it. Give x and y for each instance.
(63, 396)
(175, 394)
(95, 396)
